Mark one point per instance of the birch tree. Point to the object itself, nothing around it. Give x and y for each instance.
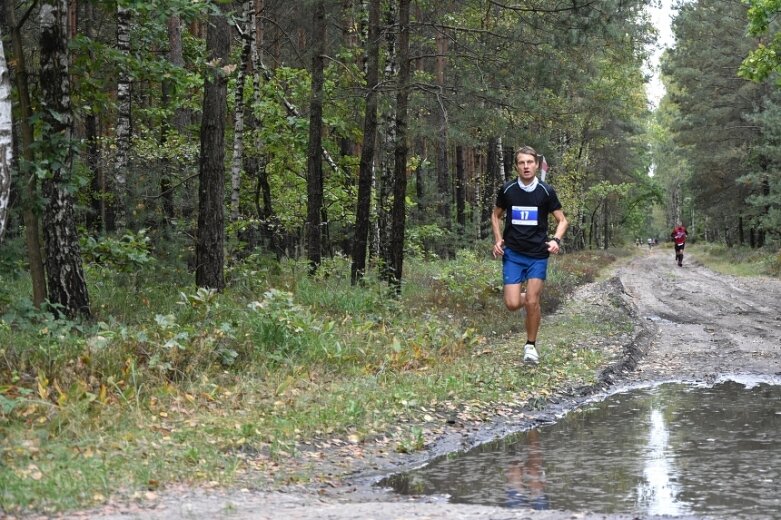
(6, 145)
(6, 148)
(238, 110)
(123, 128)
(67, 287)
(366, 168)
(314, 177)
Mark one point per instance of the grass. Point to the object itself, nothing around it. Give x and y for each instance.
(740, 260)
(172, 385)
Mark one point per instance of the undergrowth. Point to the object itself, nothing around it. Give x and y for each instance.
(740, 260)
(170, 383)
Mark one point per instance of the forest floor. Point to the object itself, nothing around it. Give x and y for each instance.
(690, 324)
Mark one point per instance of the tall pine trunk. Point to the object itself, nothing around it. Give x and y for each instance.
(384, 181)
(66, 283)
(443, 168)
(399, 213)
(314, 176)
(209, 252)
(30, 195)
(366, 168)
(460, 191)
(176, 122)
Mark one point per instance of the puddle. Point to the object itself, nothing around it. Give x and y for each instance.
(673, 449)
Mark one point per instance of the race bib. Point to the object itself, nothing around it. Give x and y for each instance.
(524, 215)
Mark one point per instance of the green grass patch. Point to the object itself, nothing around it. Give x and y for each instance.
(169, 384)
(740, 261)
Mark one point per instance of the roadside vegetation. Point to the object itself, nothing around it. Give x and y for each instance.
(172, 384)
(739, 260)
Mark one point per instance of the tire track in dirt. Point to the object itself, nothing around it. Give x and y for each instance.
(706, 325)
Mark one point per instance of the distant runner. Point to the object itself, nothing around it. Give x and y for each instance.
(679, 237)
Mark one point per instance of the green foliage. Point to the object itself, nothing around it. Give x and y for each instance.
(278, 357)
(764, 60)
(425, 240)
(740, 261)
(125, 254)
(713, 134)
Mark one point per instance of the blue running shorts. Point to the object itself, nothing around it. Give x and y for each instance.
(517, 268)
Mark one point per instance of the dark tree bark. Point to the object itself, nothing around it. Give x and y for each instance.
(97, 216)
(420, 182)
(177, 122)
(399, 213)
(366, 169)
(460, 190)
(443, 170)
(67, 287)
(314, 177)
(385, 180)
(209, 253)
(489, 187)
(32, 228)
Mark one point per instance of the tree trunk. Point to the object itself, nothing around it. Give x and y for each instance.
(32, 228)
(67, 287)
(177, 122)
(238, 113)
(503, 173)
(606, 225)
(489, 188)
(123, 129)
(398, 214)
(420, 181)
(96, 217)
(460, 191)
(443, 170)
(314, 176)
(255, 164)
(209, 253)
(6, 141)
(366, 168)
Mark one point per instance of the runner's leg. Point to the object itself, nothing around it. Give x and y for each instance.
(532, 304)
(514, 299)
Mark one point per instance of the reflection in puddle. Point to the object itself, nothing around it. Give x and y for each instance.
(673, 449)
(658, 492)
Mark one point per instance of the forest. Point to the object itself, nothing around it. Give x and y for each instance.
(195, 190)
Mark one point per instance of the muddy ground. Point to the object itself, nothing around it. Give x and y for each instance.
(691, 324)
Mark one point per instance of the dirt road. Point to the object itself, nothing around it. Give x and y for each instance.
(691, 324)
(705, 323)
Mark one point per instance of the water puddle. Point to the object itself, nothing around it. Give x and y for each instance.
(672, 449)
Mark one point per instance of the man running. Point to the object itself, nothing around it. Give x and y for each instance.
(524, 245)
(679, 237)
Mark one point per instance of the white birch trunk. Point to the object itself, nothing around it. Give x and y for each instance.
(67, 287)
(500, 158)
(238, 114)
(6, 136)
(123, 119)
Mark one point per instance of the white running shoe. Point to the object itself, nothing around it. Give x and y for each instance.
(530, 354)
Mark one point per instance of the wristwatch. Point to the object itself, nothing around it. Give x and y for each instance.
(557, 240)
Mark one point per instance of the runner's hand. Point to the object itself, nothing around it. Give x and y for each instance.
(498, 249)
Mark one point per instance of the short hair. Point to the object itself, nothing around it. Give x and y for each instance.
(526, 150)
